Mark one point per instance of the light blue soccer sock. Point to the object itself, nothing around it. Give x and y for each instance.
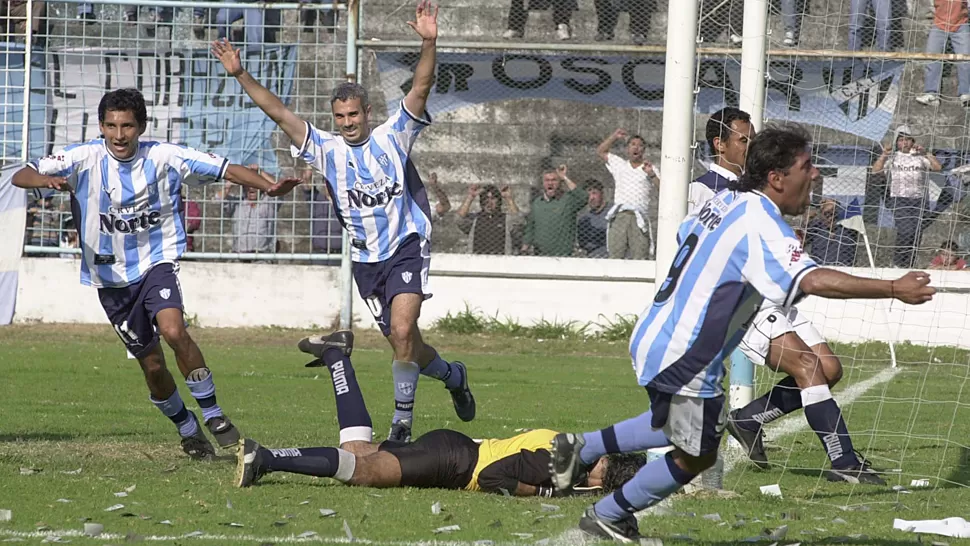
(651, 484)
(174, 409)
(406, 376)
(443, 371)
(633, 434)
(204, 391)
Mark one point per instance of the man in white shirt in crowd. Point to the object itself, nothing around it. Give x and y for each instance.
(906, 165)
(630, 233)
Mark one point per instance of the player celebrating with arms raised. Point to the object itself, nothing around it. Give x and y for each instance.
(125, 195)
(737, 252)
(382, 203)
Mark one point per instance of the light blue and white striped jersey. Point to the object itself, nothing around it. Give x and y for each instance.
(375, 189)
(128, 213)
(737, 252)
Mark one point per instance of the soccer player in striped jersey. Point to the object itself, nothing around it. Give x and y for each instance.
(125, 196)
(380, 200)
(781, 338)
(736, 253)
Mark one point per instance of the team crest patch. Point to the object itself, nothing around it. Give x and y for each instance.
(384, 160)
(165, 293)
(406, 389)
(406, 277)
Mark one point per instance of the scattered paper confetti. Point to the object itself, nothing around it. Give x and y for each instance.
(483, 543)
(778, 533)
(326, 513)
(229, 504)
(549, 507)
(64, 501)
(193, 534)
(712, 517)
(304, 502)
(74, 472)
(26, 471)
(130, 489)
(521, 535)
(6, 515)
(120, 494)
(93, 529)
(447, 529)
(436, 508)
(114, 508)
(901, 489)
(350, 536)
(165, 522)
(232, 524)
(307, 534)
(771, 490)
(279, 523)
(919, 483)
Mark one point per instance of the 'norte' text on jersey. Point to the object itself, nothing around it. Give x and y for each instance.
(362, 199)
(111, 222)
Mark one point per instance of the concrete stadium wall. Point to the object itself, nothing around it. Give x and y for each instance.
(524, 289)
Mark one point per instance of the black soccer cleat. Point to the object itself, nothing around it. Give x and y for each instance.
(624, 531)
(750, 440)
(565, 466)
(222, 429)
(317, 345)
(197, 446)
(400, 432)
(249, 463)
(462, 396)
(860, 472)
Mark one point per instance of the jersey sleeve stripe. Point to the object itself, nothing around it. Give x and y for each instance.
(795, 290)
(222, 170)
(423, 120)
(302, 152)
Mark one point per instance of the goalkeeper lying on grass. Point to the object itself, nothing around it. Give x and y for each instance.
(442, 458)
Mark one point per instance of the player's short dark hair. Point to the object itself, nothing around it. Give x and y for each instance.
(347, 91)
(949, 245)
(719, 124)
(637, 137)
(593, 184)
(124, 100)
(620, 468)
(773, 149)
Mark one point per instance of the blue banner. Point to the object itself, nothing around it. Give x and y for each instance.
(825, 93)
(190, 98)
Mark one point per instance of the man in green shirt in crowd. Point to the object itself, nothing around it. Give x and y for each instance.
(550, 228)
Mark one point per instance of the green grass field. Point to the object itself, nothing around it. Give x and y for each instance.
(76, 427)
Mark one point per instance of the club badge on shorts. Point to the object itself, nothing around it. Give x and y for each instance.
(406, 277)
(165, 293)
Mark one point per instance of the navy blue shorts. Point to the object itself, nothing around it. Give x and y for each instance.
(132, 309)
(406, 272)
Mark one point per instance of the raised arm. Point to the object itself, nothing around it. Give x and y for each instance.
(251, 178)
(603, 150)
(292, 125)
(880, 163)
(913, 287)
(28, 178)
(425, 24)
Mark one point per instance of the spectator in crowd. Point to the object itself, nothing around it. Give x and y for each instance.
(592, 226)
(13, 15)
(857, 17)
(156, 16)
(906, 164)
(259, 25)
(828, 242)
(606, 15)
(253, 219)
(948, 258)
(309, 16)
(192, 218)
(562, 12)
(630, 234)
(949, 23)
(722, 16)
(443, 205)
(69, 239)
(490, 229)
(550, 227)
(44, 221)
(326, 233)
(792, 12)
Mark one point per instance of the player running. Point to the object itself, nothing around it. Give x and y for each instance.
(444, 458)
(380, 200)
(737, 252)
(125, 197)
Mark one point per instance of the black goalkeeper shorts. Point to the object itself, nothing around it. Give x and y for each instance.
(443, 459)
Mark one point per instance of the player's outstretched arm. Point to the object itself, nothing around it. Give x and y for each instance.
(425, 24)
(250, 178)
(28, 178)
(913, 287)
(292, 125)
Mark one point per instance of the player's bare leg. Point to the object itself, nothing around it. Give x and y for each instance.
(412, 358)
(166, 398)
(188, 356)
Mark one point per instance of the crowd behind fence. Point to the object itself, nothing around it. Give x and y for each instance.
(534, 152)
